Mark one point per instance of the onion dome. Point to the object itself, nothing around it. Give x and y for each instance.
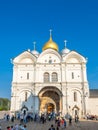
(50, 44)
(65, 50)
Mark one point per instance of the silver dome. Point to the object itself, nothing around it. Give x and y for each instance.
(65, 51)
(34, 52)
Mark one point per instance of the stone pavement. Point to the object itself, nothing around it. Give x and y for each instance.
(81, 125)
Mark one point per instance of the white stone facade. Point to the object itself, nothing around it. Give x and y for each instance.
(50, 81)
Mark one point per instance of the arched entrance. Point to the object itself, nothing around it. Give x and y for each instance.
(50, 100)
(50, 107)
(75, 111)
(24, 110)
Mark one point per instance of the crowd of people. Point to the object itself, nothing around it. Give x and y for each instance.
(91, 117)
(59, 121)
(17, 127)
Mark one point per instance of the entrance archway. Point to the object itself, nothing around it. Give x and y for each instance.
(50, 100)
(24, 110)
(75, 111)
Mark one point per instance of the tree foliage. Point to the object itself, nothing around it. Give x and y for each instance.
(4, 104)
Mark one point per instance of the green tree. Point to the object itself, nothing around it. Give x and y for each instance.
(4, 104)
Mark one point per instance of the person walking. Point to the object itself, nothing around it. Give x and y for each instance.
(70, 120)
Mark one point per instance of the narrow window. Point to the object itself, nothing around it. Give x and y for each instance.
(72, 75)
(75, 96)
(27, 75)
(76, 112)
(26, 96)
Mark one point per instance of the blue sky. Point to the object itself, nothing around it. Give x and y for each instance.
(24, 21)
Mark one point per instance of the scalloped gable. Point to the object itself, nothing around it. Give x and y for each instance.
(49, 53)
(25, 57)
(74, 57)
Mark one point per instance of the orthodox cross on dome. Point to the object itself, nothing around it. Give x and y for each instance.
(34, 44)
(50, 32)
(65, 41)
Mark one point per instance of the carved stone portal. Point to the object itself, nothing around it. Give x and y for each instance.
(49, 101)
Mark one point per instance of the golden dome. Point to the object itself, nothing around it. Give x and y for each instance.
(50, 44)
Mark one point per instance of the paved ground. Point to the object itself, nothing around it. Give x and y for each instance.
(82, 125)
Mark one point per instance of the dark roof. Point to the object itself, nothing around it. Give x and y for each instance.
(93, 93)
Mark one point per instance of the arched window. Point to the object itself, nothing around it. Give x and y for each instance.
(46, 77)
(75, 96)
(54, 77)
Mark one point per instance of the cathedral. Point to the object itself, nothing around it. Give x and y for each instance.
(51, 81)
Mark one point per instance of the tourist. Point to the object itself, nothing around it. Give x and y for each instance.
(76, 118)
(65, 123)
(20, 127)
(62, 123)
(25, 127)
(16, 126)
(12, 128)
(58, 122)
(12, 118)
(57, 128)
(70, 120)
(8, 128)
(0, 127)
(52, 127)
